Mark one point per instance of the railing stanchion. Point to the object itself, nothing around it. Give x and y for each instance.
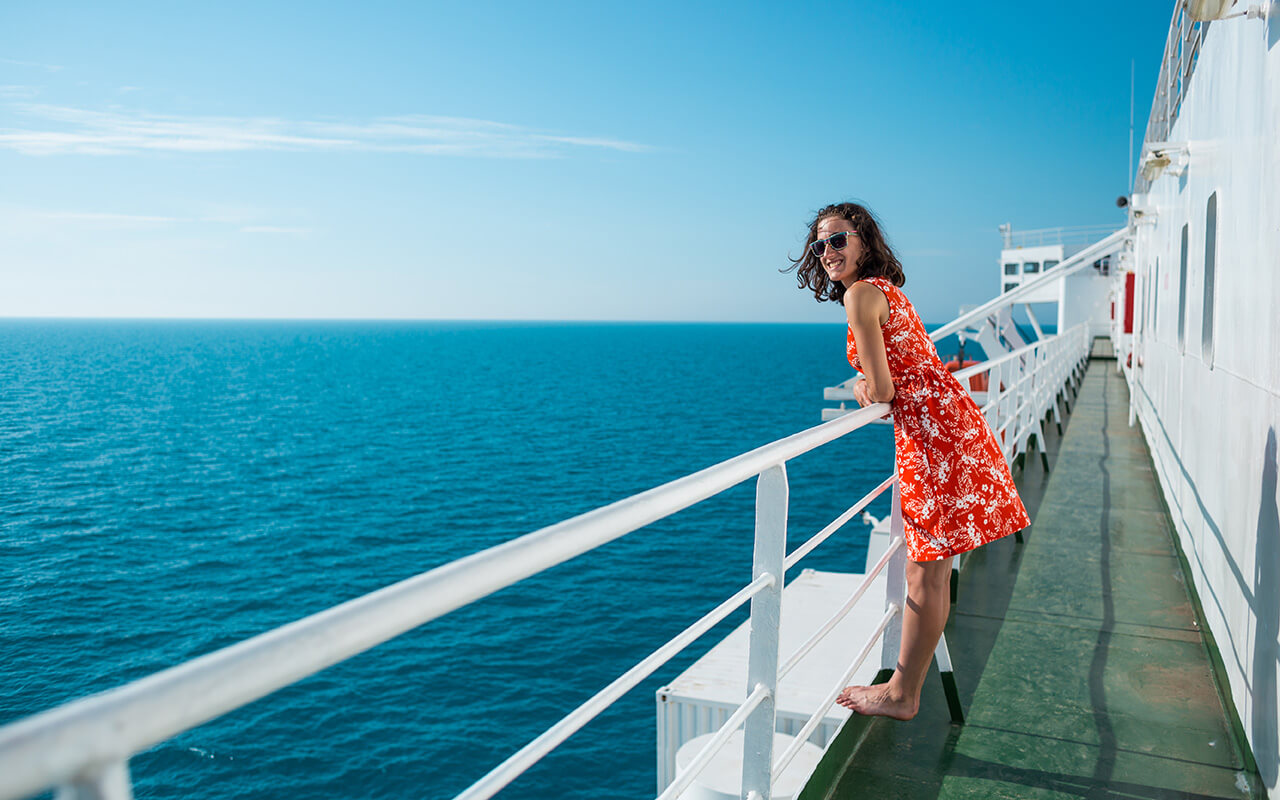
(766, 619)
(110, 783)
(895, 594)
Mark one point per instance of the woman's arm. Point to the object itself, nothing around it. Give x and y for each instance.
(866, 306)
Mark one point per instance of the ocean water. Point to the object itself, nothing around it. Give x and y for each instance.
(171, 488)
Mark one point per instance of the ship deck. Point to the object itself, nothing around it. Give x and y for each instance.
(1079, 654)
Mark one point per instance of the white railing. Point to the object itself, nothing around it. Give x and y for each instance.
(1078, 234)
(1023, 386)
(1181, 49)
(83, 747)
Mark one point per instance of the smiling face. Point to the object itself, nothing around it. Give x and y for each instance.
(840, 265)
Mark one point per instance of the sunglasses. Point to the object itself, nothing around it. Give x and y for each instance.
(837, 240)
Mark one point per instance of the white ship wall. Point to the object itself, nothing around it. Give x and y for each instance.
(1086, 297)
(1212, 418)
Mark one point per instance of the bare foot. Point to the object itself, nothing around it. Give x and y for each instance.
(878, 701)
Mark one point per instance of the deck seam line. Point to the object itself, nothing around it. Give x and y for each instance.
(1088, 744)
(1068, 616)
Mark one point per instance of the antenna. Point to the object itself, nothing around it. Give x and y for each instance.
(1129, 185)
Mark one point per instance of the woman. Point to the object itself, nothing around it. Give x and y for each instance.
(956, 490)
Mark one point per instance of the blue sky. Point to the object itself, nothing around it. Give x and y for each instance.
(651, 161)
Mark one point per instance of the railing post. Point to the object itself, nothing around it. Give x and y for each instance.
(766, 618)
(1003, 409)
(895, 591)
(110, 783)
(993, 397)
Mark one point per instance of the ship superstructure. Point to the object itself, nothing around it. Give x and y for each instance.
(1025, 255)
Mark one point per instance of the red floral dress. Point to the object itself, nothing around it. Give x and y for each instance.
(957, 493)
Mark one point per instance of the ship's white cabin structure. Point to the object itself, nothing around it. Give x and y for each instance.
(1079, 296)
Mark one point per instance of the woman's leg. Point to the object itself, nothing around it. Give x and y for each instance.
(928, 603)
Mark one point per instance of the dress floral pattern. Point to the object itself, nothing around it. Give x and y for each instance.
(957, 493)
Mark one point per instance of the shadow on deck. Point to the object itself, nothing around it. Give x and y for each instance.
(1078, 654)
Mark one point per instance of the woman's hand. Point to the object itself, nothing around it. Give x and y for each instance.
(861, 394)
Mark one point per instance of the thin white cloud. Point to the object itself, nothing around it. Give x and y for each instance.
(113, 220)
(274, 229)
(15, 92)
(54, 130)
(109, 219)
(16, 62)
(586, 141)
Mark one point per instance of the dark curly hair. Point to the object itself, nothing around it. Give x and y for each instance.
(878, 260)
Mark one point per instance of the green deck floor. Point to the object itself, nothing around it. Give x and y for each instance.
(1080, 663)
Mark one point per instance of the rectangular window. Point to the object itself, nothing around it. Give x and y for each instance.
(1182, 294)
(1210, 263)
(1010, 269)
(1031, 266)
(1050, 264)
(1009, 286)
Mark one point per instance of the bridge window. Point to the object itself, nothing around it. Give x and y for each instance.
(1010, 269)
(1182, 294)
(1009, 286)
(1050, 264)
(1210, 264)
(1031, 266)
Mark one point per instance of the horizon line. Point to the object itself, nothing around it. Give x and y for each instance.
(524, 320)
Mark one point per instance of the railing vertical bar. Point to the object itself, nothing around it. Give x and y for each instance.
(895, 589)
(112, 782)
(766, 620)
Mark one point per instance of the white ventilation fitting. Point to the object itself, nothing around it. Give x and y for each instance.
(1205, 10)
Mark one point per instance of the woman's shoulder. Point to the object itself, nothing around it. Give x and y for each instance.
(879, 281)
(863, 290)
(863, 287)
(869, 296)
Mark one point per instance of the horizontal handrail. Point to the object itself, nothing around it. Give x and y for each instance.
(817, 716)
(1071, 234)
(842, 612)
(527, 756)
(712, 747)
(52, 747)
(836, 524)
